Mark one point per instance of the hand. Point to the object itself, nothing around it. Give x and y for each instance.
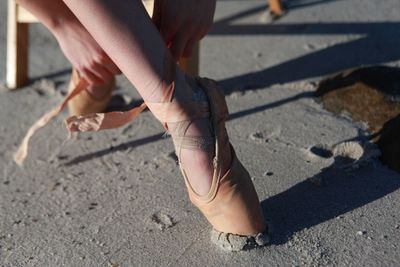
(85, 54)
(182, 23)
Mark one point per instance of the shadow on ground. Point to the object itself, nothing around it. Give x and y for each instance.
(367, 94)
(377, 44)
(305, 204)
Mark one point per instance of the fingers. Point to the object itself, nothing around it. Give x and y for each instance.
(99, 71)
(90, 76)
(107, 63)
(102, 73)
(96, 74)
(112, 68)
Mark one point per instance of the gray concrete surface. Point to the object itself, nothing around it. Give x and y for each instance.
(117, 197)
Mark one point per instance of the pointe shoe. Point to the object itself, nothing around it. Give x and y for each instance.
(85, 102)
(231, 205)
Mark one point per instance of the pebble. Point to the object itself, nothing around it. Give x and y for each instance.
(258, 137)
(237, 94)
(163, 221)
(45, 87)
(361, 232)
(309, 47)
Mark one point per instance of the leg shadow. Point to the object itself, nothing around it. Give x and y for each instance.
(319, 63)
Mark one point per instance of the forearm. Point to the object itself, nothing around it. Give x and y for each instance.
(52, 13)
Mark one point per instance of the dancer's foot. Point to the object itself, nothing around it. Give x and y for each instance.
(217, 182)
(194, 112)
(93, 99)
(197, 152)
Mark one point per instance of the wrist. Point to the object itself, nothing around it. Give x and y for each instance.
(59, 25)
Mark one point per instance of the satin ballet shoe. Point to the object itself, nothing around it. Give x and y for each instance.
(85, 102)
(231, 205)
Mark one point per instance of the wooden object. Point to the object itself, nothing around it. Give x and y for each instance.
(17, 45)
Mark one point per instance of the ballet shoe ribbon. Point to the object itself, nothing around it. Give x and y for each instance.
(22, 151)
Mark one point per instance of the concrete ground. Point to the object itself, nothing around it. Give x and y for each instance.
(116, 198)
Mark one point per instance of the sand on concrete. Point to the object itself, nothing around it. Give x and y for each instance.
(117, 197)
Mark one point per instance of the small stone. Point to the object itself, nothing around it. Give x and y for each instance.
(361, 232)
(163, 221)
(45, 87)
(257, 54)
(63, 157)
(262, 239)
(237, 94)
(127, 99)
(256, 135)
(233, 243)
(309, 47)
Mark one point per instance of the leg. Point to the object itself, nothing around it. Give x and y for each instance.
(118, 27)
(17, 48)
